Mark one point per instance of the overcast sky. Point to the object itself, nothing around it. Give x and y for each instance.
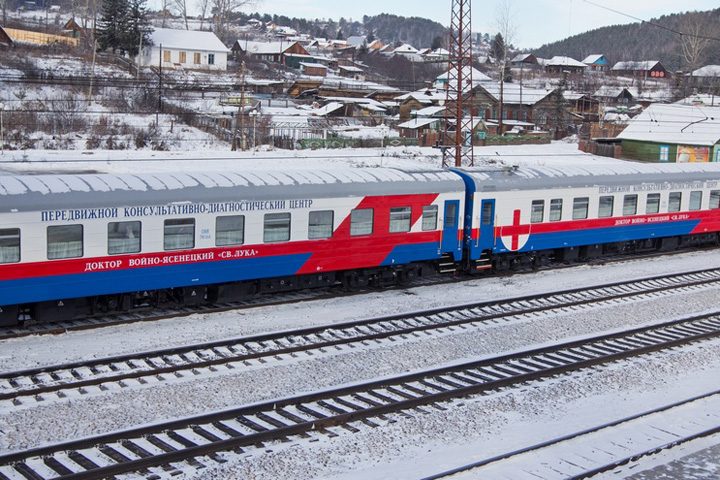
(537, 21)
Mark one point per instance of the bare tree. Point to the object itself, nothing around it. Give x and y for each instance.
(699, 31)
(507, 29)
(181, 8)
(223, 10)
(203, 7)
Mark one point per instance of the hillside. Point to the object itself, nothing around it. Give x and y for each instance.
(652, 40)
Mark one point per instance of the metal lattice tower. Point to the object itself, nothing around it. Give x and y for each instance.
(457, 142)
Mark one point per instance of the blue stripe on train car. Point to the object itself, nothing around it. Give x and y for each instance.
(138, 279)
(591, 236)
(416, 252)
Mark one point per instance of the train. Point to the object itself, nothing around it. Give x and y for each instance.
(73, 245)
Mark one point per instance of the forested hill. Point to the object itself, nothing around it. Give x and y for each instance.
(419, 32)
(652, 40)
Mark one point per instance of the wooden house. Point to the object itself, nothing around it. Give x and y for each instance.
(275, 52)
(642, 69)
(596, 63)
(661, 134)
(522, 106)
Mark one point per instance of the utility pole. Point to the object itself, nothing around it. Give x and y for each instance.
(159, 107)
(459, 144)
(241, 113)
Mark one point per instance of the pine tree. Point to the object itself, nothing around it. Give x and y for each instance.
(122, 24)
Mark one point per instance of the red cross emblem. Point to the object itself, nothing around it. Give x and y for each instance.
(514, 231)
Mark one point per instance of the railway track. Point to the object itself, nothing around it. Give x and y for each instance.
(192, 443)
(622, 442)
(35, 384)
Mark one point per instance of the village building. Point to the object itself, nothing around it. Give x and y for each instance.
(642, 69)
(184, 49)
(673, 133)
(275, 52)
(522, 107)
(596, 63)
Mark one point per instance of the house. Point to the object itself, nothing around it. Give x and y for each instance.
(413, 101)
(596, 63)
(187, 49)
(643, 69)
(313, 69)
(275, 52)
(522, 106)
(560, 64)
(349, 71)
(13, 35)
(524, 60)
(673, 133)
(617, 96)
(707, 76)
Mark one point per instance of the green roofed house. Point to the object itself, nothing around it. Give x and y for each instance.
(673, 133)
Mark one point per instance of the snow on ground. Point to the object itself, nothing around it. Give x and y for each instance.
(413, 447)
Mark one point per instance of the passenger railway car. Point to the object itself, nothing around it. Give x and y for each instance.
(72, 245)
(524, 217)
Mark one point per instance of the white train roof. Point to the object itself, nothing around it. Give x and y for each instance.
(40, 192)
(587, 175)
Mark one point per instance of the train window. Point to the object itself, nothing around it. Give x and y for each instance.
(400, 219)
(230, 230)
(605, 207)
(487, 210)
(695, 200)
(123, 237)
(555, 209)
(675, 202)
(653, 203)
(64, 241)
(450, 215)
(630, 204)
(714, 198)
(536, 211)
(9, 245)
(361, 222)
(580, 208)
(429, 217)
(320, 224)
(277, 227)
(179, 233)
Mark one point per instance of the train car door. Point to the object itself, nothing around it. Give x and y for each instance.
(486, 239)
(450, 227)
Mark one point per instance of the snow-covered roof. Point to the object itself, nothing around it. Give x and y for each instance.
(488, 178)
(327, 109)
(350, 69)
(639, 66)
(712, 71)
(562, 61)
(514, 93)
(477, 75)
(426, 95)
(41, 192)
(701, 99)
(590, 59)
(429, 111)
(187, 39)
(418, 123)
(675, 124)
(405, 48)
(264, 48)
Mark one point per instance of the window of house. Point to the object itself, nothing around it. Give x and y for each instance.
(556, 209)
(715, 199)
(675, 202)
(123, 237)
(537, 209)
(400, 219)
(276, 227)
(605, 207)
(166, 56)
(361, 222)
(630, 204)
(695, 200)
(9, 245)
(197, 58)
(580, 208)
(183, 57)
(211, 59)
(179, 233)
(320, 224)
(230, 230)
(64, 241)
(653, 203)
(429, 217)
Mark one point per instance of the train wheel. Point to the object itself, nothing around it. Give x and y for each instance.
(355, 281)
